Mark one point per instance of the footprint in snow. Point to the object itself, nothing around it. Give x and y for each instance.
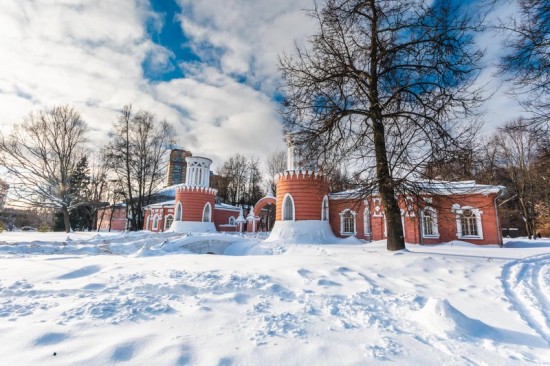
(323, 282)
(82, 272)
(50, 338)
(304, 273)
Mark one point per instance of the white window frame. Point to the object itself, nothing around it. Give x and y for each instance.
(166, 219)
(231, 221)
(179, 212)
(342, 225)
(366, 222)
(289, 196)
(209, 212)
(325, 209)
(435, 226)
(477, 213)
(156, 222)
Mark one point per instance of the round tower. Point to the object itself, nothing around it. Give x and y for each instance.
(301, 201)
(195, 200)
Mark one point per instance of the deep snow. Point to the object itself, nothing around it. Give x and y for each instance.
(144, 298)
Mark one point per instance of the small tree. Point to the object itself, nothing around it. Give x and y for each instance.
(517, 149)
(40, 156)
(275, 164)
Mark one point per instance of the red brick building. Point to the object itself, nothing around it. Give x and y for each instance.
(442, 212)
(112, 218)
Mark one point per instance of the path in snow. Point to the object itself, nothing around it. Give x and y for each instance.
(526, 283)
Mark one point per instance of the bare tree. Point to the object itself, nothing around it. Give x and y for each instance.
(275, 163)
(40, 155)
(517, 152)
(136, 154)
(527, 64)
(239, 180)
(384, 85)
(232, 185)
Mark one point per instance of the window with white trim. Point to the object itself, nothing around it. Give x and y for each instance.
(156, 222)
(179, 210)
(347, 222)
(206, 213)
(366, 222)
(324, 210)
(288, 208)
(468, 222)
(429, 223)
(231, 220)
(168, 222)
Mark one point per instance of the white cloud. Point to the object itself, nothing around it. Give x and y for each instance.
(247, 35)
(89, 54)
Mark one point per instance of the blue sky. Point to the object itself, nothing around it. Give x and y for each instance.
(208, 66)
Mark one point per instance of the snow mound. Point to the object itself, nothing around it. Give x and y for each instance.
(443, 319)
(146, 244)
(306, 232)
(192, 227)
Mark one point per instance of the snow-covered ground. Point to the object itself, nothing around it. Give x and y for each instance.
(149, 299)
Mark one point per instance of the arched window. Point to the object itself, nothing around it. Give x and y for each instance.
(206, 213)
(288, 208)
(168, 222)
(347, 222)
(468, 222)
(366, 222)
(231, 220)
(429, 223)
(156, 222)
(324, 210)
(179, 210)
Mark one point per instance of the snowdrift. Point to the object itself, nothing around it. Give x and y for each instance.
(306, 232)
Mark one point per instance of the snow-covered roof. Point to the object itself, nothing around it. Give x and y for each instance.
(161, 204)
(225, 206)
(433, 187)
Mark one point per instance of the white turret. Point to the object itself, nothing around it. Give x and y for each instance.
(198, 171)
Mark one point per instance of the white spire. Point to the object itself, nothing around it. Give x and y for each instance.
(270, 192)
(241, 217)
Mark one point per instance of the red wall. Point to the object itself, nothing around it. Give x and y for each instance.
(221, 217)
(307, 190)
(118, 222)
(337, 206)
(193, 200)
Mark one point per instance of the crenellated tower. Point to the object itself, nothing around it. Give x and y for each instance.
(195, 200)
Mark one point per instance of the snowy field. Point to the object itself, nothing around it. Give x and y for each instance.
(150, 299)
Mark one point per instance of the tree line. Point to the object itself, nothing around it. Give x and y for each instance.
(51, 166)
(47, 162)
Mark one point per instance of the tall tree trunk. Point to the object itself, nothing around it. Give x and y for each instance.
(526, 218)
(66, 220)
(394, 229)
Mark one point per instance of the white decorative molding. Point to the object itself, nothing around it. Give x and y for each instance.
(378, 212)
(479, 226)
(342, 226)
